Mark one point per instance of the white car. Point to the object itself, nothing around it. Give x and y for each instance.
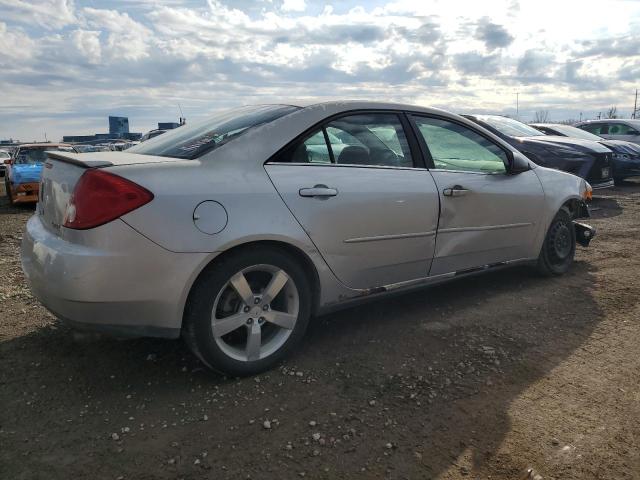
(627, 130)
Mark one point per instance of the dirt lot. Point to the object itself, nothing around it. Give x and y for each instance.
(475, 379)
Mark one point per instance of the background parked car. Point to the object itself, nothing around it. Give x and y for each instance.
(626, 155)
(613, 129)
(22, 179)
(4, 155)
(585, 158)
(152, 133)
(91, 148)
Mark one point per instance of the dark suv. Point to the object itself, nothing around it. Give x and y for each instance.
(585, 158)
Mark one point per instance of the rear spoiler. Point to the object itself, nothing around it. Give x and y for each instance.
(109, 159)
(82, 160)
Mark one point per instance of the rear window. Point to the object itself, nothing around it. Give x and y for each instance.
(193, 141)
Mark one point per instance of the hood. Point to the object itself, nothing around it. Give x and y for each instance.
(568, 143)
(620, 146)
(26, 173)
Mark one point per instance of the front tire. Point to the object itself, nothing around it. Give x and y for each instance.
(559, 247)
(248, 311)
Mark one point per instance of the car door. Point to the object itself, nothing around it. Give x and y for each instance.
(487, 215)
(356, 187)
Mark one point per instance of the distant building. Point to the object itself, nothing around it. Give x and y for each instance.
(118, 130)
(118, 125)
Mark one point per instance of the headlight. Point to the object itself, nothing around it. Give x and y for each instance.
(587, 191)
(621, 156)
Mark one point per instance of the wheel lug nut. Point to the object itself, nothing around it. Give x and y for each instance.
(250, 321)
(261, 320)
(256, 301)
(265, 307)
(246, 309)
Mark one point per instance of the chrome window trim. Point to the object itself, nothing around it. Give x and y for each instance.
(468, 171)
(348, 165)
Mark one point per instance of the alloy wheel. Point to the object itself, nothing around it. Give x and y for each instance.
(255, 312)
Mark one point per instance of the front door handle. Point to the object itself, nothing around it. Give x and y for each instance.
(318, 191)
(455, 191)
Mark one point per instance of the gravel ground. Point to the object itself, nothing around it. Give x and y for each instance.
(481, 378)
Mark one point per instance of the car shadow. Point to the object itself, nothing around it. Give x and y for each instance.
(408, 387)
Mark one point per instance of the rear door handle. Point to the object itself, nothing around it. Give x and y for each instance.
(455, 191)
(318, 191)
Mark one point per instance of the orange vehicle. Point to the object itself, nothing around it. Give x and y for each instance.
(23, 170)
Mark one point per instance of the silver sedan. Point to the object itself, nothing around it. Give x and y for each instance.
(233, 232)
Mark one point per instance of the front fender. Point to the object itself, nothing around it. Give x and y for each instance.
(560, 189)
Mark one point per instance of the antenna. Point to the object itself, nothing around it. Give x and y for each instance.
(182, 119)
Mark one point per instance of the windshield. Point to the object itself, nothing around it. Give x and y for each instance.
(192, 141)
(509, 126)
(569, 131)
(37, 155)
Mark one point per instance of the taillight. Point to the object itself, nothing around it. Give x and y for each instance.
(100, 197)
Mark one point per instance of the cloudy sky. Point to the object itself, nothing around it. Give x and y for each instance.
(66, 65)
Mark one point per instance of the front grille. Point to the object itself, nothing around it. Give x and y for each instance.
(602, 168)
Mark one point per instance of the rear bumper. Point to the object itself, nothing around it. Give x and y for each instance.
(25, 192)
(110, 279)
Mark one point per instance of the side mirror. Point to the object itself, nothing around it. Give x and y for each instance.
(519, 164)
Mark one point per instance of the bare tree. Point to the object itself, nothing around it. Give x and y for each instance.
(569, 121)
(542, 116)
(612, 112)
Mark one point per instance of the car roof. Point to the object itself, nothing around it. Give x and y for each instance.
(354, 104)
(631, 121)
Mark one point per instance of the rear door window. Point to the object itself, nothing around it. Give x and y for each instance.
(366, 139)
(369, 139)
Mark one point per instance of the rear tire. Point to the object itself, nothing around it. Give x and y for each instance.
(559, 247)
(248, 311)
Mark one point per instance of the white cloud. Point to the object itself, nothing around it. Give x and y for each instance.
(293, 6)
(127, 39)
(14, 45)
(139, 58)
(49, 14)
(88, 44)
